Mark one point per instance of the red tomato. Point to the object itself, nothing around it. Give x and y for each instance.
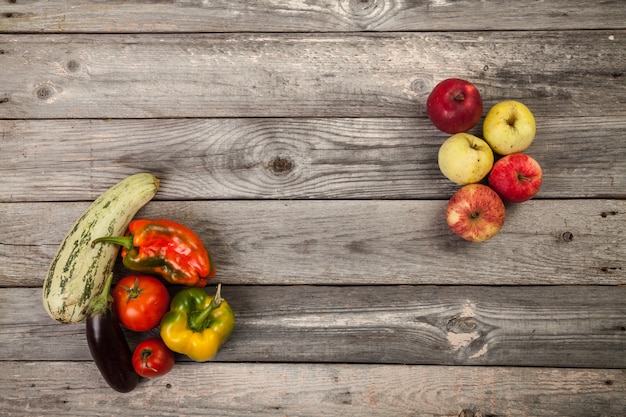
(140, 302)
(152, 358)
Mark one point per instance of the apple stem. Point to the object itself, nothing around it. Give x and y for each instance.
(522, 177)
(459, 97)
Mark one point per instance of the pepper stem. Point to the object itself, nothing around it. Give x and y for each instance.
(198, 320)
(125, 241)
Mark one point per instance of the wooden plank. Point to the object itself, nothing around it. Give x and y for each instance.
(313, 15)
(356, 242)
(325, 75)
(564, 326)
(251, 389)
(286, 158)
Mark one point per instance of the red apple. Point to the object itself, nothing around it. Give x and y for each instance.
(454, 106)
(516, 177)
(475, 212)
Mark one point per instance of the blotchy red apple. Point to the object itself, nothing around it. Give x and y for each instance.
(475, 213)
(516, 177)
(454, 106)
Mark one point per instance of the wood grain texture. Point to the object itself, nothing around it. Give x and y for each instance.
(355, 242)
(250, 389)
(557, 74)
(292, 137)
(304, 16)
(560, 326)
(286, 158)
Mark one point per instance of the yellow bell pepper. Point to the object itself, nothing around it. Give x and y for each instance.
(197, 324)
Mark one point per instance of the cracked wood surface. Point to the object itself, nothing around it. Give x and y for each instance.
(303, 74)
(362, 242)
(53, 16)
(304, 158)
(563, 326)
(254, 389)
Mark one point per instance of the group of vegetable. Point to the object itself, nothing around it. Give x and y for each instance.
(79, 280)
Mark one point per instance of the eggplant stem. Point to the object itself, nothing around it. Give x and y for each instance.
(101, 302)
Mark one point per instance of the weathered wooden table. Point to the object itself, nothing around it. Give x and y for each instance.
(292, 136)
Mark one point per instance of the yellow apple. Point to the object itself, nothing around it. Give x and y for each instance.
(509, 127)
(465, 158)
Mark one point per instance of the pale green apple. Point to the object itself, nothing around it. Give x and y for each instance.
(509, 127)
(465, 158)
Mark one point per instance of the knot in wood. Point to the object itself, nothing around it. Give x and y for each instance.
(420, 86)
(72, 65)
(281, 166)
(44, 92)
(461, 325)
(359, 7)
(568, 236)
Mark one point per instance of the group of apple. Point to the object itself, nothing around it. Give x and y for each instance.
(476, 212)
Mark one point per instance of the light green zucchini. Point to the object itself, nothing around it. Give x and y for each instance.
(79, 270)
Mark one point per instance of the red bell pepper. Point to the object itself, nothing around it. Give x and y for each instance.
(165, 248)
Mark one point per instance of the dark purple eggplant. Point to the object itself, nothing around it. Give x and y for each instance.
(107, 343)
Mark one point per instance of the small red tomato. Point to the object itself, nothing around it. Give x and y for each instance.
(152, 358)
(140, 302)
